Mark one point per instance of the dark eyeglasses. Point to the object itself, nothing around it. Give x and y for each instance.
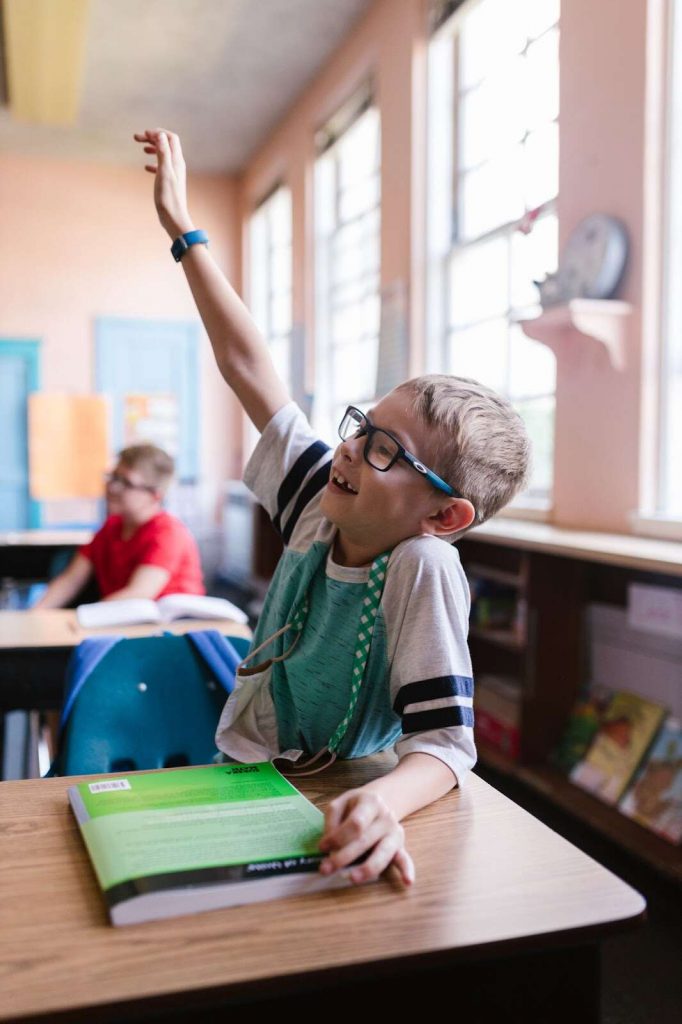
(117, 480)
(382, 450)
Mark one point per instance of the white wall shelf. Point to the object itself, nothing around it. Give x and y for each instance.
(601, 320)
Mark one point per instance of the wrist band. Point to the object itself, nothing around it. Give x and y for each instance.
(183, 242)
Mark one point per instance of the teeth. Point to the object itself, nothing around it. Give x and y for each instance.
(342, 482)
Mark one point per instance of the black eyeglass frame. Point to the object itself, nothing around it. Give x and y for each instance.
(402, 453)
(127, 485)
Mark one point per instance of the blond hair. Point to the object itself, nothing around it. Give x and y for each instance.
(483, 450)
(153, 462)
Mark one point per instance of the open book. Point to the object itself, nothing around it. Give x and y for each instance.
(172, 606)
(183, 840)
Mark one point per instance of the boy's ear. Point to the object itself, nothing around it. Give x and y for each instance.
(453, 517)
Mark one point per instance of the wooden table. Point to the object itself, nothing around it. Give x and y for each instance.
(35, 647)
(505, 915)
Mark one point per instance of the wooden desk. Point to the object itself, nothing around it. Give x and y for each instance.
(35, 647)
(27, 554)
(502, 909)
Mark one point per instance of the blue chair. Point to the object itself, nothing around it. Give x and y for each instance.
(153, 702)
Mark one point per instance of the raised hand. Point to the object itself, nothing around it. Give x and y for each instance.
(170, 185)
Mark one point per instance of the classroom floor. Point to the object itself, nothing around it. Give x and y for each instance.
(641, 969)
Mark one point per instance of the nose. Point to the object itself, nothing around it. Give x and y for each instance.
(352, 448)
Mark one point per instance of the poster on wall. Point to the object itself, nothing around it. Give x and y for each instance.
(68, 445)
(152, 419)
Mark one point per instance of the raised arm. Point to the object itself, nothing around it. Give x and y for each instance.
(240, 350)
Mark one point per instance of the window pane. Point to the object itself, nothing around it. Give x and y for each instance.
(479, 282)
(542, 81)
(669, 498)
(672, 475)
(492, 195)
(541, 166)
(347, 259)
(270, 277)
(492, 115)
(537, 15)
(355, 370)
(359, 198)
(533, 256)
(281, 313)
(538, 415)
(481, 353)
(532, 366)
(279, 350)
(358, 149)
(280, 268)
(489, 34)
(279, 209)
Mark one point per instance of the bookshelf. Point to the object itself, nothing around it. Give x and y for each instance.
(555, 573)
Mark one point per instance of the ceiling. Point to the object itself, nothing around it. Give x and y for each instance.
(221, 73)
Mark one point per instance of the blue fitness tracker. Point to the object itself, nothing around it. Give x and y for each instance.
(183, 242)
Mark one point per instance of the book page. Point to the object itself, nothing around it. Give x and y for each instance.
(199, 606)
(117, 613)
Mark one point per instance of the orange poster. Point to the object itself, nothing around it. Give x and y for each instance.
(68, 445)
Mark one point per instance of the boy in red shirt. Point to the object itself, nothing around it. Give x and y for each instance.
(140, 551)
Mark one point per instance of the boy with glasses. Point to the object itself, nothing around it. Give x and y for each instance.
(141, 550)
(362, 642)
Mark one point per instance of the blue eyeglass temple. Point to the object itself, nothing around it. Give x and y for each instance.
(411, 460)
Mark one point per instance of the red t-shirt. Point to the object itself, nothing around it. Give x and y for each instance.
(162, 540)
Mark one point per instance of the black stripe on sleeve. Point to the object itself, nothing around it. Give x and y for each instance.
(315, 484)
(438, 718)
(432, 689)
(295, 477)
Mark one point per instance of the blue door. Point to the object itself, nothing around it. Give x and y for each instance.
(152, 357)
(19, 375)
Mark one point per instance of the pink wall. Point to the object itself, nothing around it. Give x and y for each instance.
(85, 243)
(602, 163)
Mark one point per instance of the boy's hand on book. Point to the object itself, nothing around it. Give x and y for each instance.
(360, 823)
(170, 184)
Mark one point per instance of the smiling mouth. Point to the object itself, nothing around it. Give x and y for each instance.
(341, 484)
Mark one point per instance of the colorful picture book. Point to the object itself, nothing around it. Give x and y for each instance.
(183, 840)
(626, 730)
(580, 729)
(654, 799)
(497, 705)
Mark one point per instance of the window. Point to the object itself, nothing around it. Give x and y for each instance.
(493, 164)
(347, 212)
(669, 499)
(270, 276)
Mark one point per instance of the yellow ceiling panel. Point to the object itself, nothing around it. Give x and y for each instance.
(45, 56)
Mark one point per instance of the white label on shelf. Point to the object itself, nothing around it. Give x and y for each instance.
(655, 609)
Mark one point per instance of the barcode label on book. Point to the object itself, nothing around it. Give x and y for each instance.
(102, 787)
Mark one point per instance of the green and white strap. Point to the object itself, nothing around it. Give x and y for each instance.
(370, 607)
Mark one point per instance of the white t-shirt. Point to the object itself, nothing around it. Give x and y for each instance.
(418, 687)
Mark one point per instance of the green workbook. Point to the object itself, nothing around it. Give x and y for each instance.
(184, 840)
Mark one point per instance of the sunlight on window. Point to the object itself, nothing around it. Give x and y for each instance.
(669, 500)
(270, 276)
(347, 221)
(503, 59)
